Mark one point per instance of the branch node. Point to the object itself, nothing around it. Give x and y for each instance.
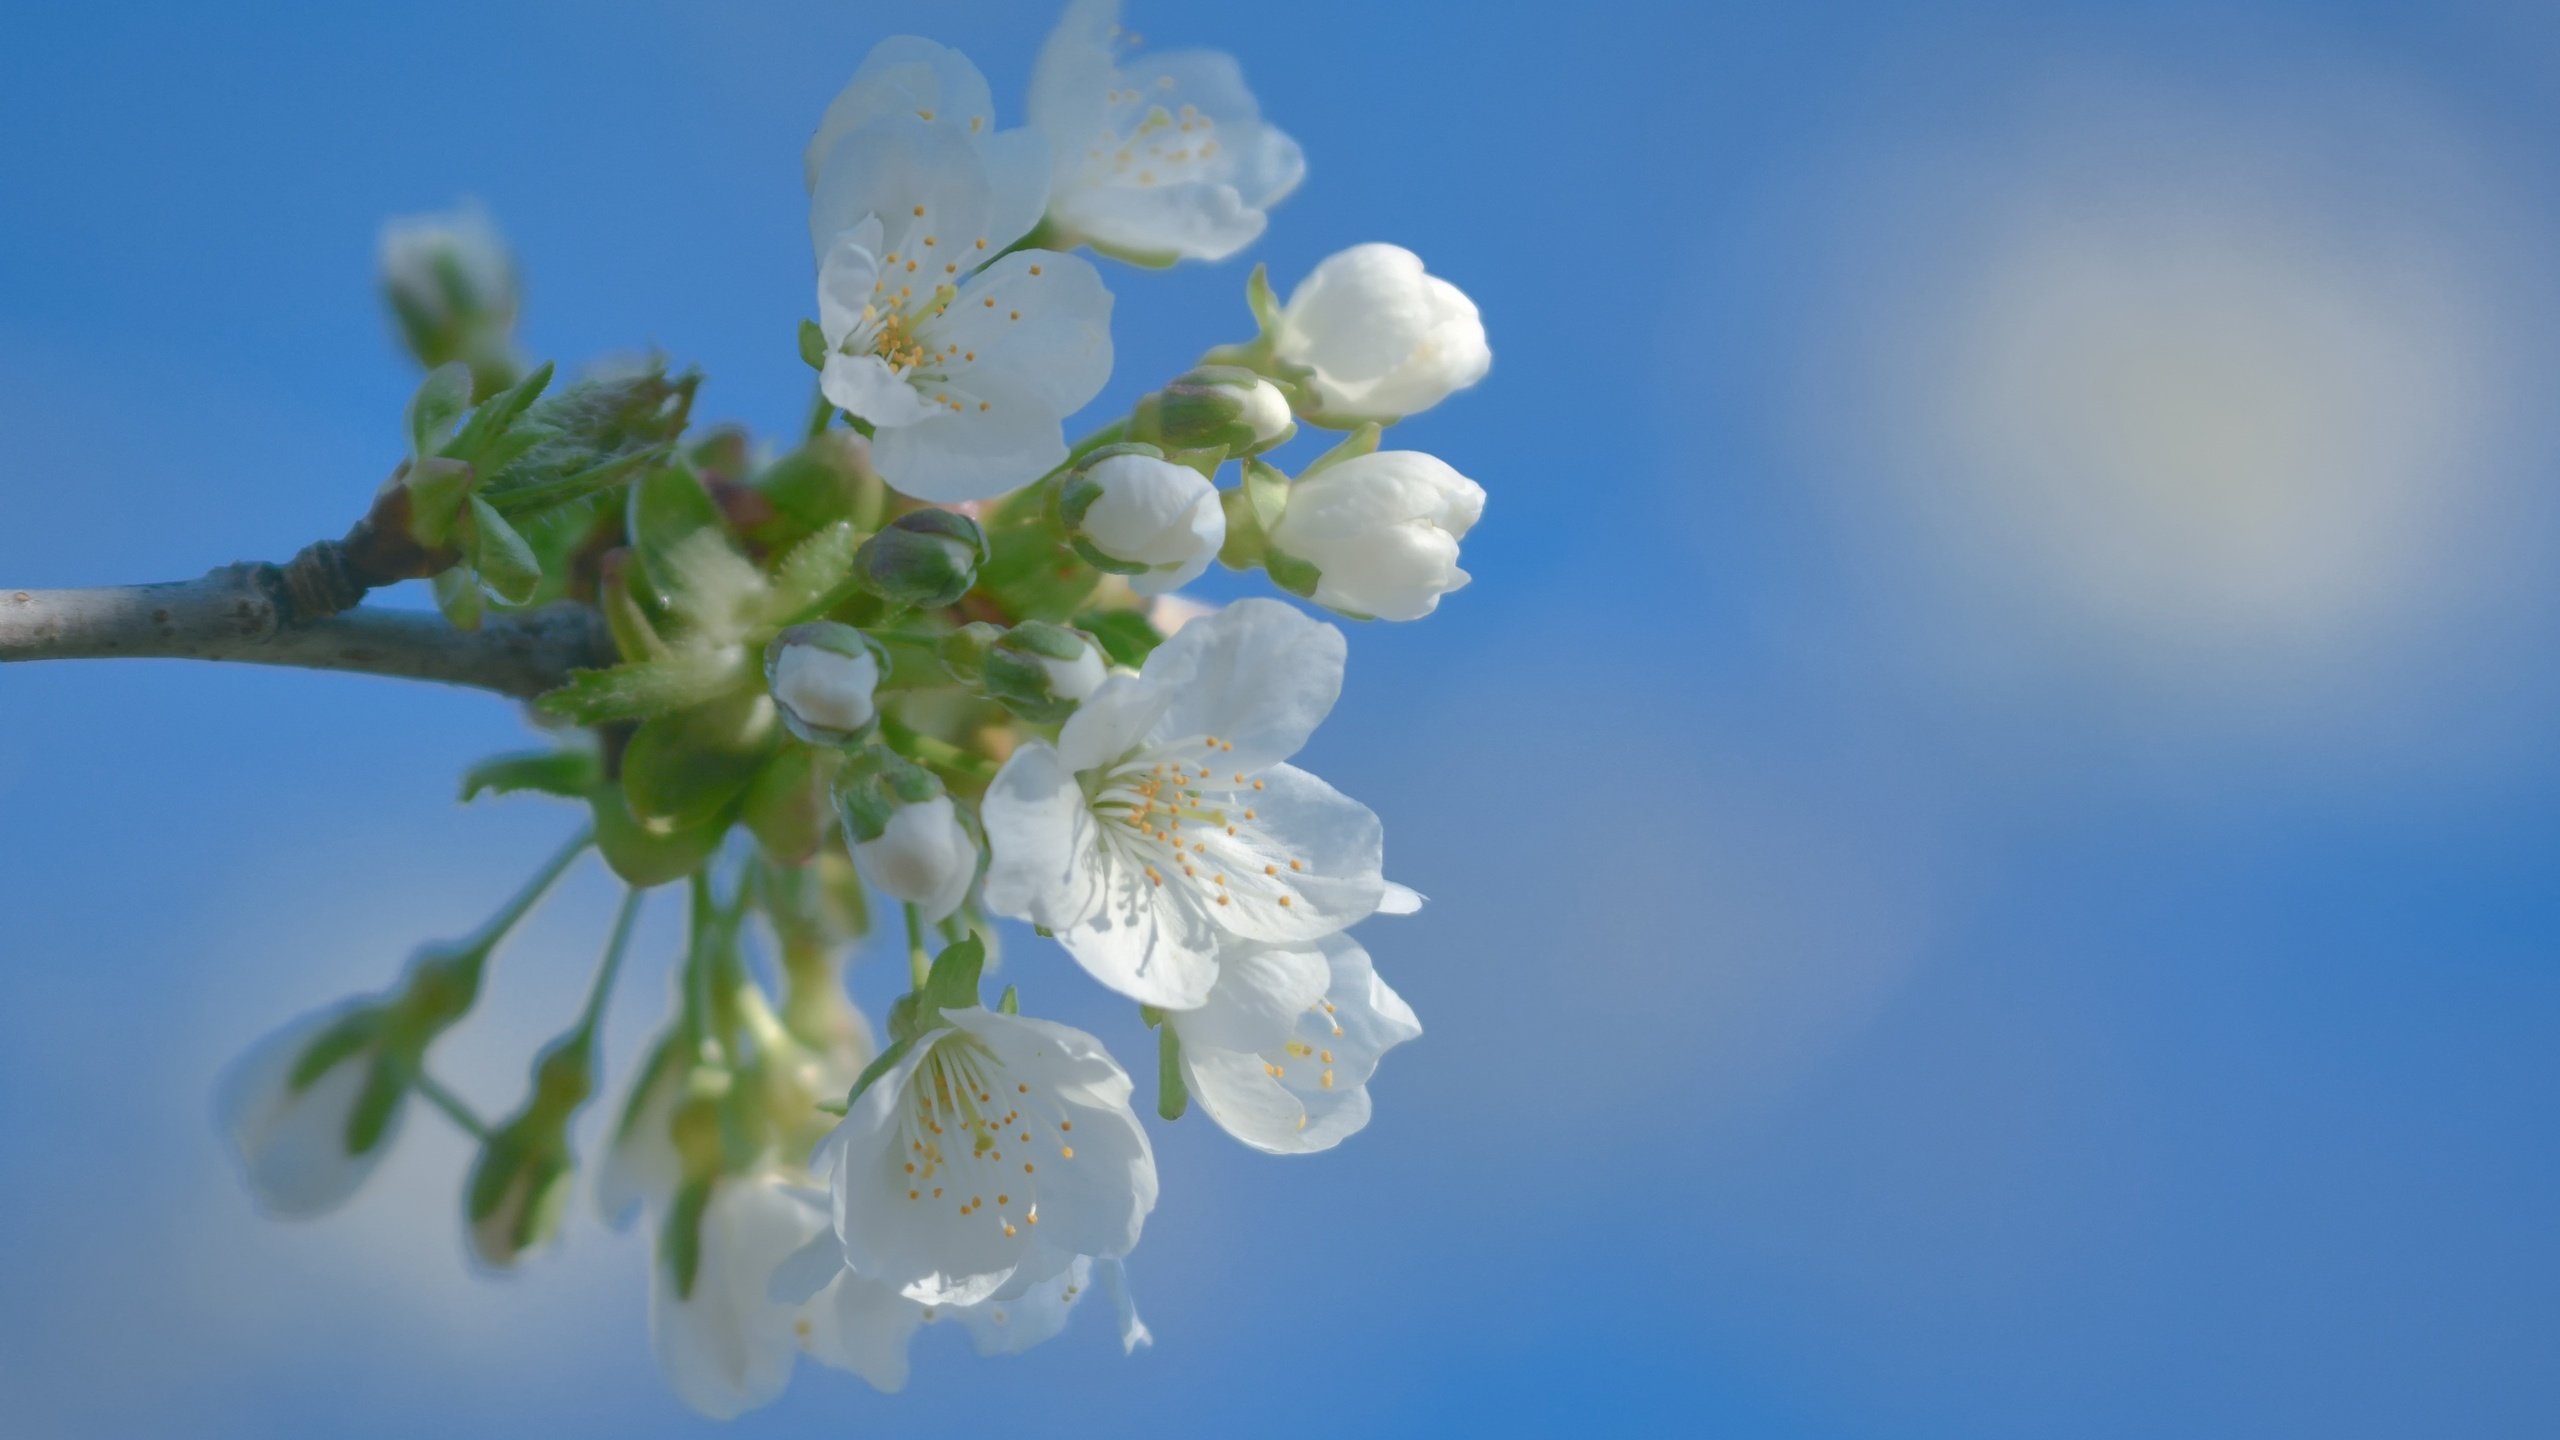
(317, 583)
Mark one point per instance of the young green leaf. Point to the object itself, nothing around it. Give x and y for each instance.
(646, 688)
(952, 984)
(569, 774)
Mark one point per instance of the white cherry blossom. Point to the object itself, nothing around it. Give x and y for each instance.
(726, 1346)
(1281, 1053)
(1157, 158)
(290, 1131)
(964, 364)
(997, 1147)
(1382, 532)
(1165, 825)
(1383, 338)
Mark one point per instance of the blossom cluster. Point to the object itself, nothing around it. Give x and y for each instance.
(930, 660)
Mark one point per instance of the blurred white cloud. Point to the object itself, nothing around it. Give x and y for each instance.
(2213, 393)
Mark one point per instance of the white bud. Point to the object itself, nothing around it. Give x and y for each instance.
(824, 682)
(292, 1138)
(1384, 339)
(1077, 678)
(1381, 531)
(451, 286)
(923, 856)
(1154, 513)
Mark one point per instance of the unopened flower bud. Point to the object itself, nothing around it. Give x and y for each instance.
(1217, 407)
(908, 840)
(1042, 671)
(519, 1186)
(924, 558)
(824, 677)
(1377, 534)
(519, 1190)
(306, 1111)
(451, 287)
(1130, 511)
(1382, 338)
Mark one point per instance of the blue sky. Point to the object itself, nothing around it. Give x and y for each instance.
(1990, 811)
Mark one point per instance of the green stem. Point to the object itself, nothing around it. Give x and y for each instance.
(697, 964)
(941, 754)
(611, 966)
(918, 966)
(487, 938)
(451, 1104)
(822, 413)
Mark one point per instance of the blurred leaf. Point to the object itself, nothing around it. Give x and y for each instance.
(569, 774)
(686, 768)
(1126, 636)
(952, 983)
(646, 688)
(438, 401)
(507, 565)
(815, 576)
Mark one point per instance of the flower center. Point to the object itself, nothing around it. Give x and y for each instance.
(1209, 854)
(963, 1117)
(1145, 144)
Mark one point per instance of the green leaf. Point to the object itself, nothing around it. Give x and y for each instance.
(569, 774)
(437, 403)
(494, 418)
(952, 983)
(686, 768)
(786, 807)
(668, 506)
(459, 596)
(1125, 636)
(640, 857)
(815, 577)
(527, 499)
(643, 689)
(507, 565)
(813, 345)
(1258, 297)
(1172, 1096)
(437, 489)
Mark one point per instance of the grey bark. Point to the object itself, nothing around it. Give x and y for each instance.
(260, 615)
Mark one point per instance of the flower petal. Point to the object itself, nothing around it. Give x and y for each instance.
(1111, 721)
(862, 1326)
(292, 1144)
(918, 179)
(1033, 326)
(1041, 840)
(903, 75)
(1258, 675)
(864, 385)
